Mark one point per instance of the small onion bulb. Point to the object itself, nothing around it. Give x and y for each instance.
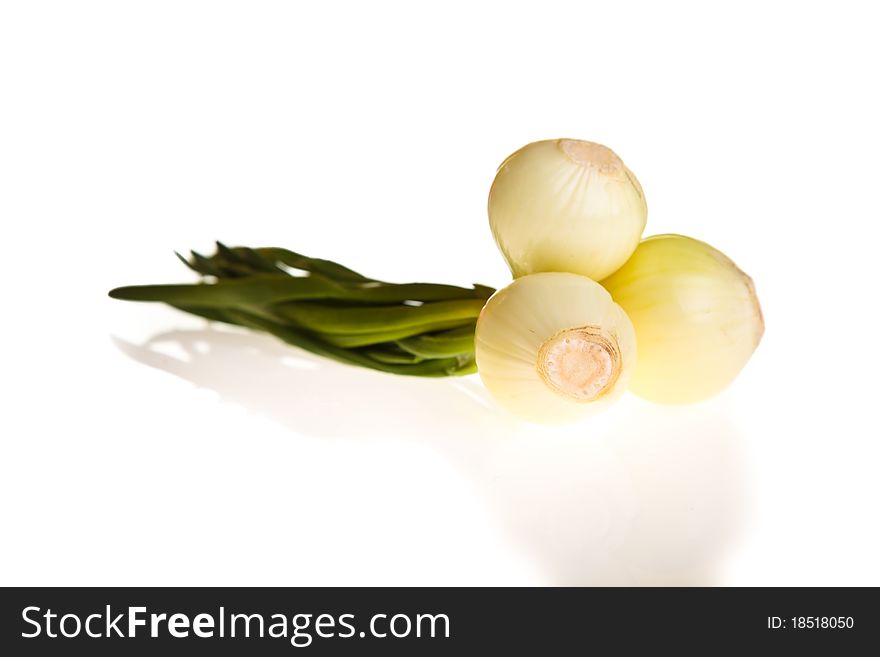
(696, 315)
(568, 206)
(554, 347)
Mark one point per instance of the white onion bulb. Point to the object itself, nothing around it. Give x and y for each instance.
(696, 315)
(554, 347)
(566, 205)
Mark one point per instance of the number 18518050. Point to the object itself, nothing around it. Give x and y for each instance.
(810, 623)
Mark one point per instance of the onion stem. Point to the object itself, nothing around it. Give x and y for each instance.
(418, 329)
(347, 320)
(441, 344)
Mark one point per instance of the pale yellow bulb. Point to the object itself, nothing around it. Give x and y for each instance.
(554, 347)
(566, 205)
(696, 315)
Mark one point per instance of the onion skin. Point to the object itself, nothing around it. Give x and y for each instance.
(524, 322)
(566, 205)
(696, 315)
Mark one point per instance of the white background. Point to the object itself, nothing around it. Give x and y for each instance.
(141, 446)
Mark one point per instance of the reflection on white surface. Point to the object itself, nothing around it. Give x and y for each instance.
(644, 495)
(659, 499)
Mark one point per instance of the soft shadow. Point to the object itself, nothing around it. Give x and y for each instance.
(660, 499)
(653, 496)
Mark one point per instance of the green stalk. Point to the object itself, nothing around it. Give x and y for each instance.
(347, 320)
(458, 340)
(394, 335)
(417, 329)
(262, 289)
(434, 367)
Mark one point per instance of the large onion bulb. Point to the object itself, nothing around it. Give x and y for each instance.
(696, 315)
(554, 347)
(566, 205)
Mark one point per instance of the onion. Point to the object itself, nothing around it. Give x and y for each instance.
(696, 316)
(554, 347)
(568, 206)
